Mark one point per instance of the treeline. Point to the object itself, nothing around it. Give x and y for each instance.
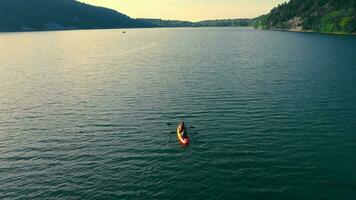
(299, 15)
(329, 16)
(19, 15)
(206, 23)
(166, 23)
(224, 23)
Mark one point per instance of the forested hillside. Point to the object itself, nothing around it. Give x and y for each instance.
(19, 15)
(330, 16)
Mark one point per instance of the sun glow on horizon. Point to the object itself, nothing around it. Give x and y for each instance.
(191, 10)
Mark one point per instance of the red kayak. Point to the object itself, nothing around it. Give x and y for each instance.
(182, 141)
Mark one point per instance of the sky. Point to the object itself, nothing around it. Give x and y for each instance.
(191, 10)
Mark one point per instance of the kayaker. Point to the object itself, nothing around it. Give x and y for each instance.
(183, 130)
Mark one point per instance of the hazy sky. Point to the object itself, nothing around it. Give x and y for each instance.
(192, 10)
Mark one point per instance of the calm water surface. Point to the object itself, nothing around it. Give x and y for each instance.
(90, 114)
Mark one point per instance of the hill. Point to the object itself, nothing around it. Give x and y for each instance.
(22, 15)
(328, 16)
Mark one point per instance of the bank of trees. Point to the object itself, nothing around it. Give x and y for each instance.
(316, 15)
(17, 15)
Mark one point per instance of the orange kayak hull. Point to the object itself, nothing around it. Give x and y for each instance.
(182, 141)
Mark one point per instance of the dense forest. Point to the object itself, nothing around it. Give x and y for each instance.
(19, 15)
(329, 16)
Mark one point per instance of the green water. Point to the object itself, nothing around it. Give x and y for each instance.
(92, 115)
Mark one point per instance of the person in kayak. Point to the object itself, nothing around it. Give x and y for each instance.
(183, 130)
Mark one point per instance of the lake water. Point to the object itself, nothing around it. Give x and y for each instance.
(92, 114)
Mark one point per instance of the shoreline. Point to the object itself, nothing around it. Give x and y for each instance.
(308, 31)
(120, 28)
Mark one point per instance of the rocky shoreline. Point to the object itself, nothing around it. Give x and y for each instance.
(307, 31)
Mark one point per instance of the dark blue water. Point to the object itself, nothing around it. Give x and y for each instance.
(92, 115)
